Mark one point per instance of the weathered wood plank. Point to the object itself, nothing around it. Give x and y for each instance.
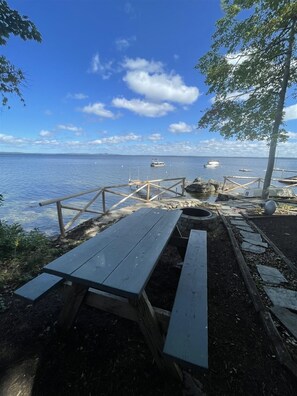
(131, 276)
(105, 262)
(76, 257)
(74, 300)
(187, 337)
(151, 331)
(38, 287)
(120, 306)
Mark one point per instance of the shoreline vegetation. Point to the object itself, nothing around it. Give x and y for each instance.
(134, 155)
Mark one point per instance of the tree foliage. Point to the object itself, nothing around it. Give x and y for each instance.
(12, 23)
(250, 67)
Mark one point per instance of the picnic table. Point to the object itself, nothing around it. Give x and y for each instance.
(110, 272)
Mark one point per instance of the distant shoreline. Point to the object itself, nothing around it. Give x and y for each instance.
(128, 155)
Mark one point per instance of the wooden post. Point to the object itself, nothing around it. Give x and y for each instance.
(74, 300)
(149, 327)
(223, 188)
(148, 191)
(103, 201)
(183, 186)
(60, 218)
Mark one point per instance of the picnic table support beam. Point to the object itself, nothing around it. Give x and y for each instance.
(73, 302)
(151, 331)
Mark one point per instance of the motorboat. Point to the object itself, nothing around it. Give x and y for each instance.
(212, 164)
(244, 170)
(156, 164)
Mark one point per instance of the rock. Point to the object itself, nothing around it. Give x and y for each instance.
(201, 186)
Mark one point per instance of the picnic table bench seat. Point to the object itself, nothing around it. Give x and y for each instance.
(187, 335)
(38, 287)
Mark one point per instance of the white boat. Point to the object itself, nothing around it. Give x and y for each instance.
(156, 163)
(212, 164)
(244, 170)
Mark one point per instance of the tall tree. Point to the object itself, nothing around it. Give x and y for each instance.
(250, 69)
(12, 23)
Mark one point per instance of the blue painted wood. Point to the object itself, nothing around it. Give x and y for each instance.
(38, 287)
(76, 257)
(187, 336)
(133, 273)
(115, 263)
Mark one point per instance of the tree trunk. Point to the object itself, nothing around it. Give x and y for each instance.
(279, 115)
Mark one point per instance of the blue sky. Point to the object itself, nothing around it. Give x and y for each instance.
(117, 76)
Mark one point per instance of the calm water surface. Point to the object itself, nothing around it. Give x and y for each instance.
(27, 179)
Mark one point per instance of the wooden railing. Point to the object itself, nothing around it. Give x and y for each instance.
(144, 191)
(230, 184)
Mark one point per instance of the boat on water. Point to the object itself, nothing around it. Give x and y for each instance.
(244, 170)
(212, 164)
(156, 163)
(289, 180)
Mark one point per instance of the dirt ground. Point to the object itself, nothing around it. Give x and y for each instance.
(282, 231)
(105, 355)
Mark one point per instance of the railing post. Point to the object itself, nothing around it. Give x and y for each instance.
(183, 186)
(103, 201)
(148, 192)
(60, 218)
(223, 188)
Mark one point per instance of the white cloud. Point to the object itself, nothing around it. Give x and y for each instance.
(45, 133)
(123, 43)
(154, 137)
(143, 65)
(98, 109)
(9, 139)
(292, 135)
(117, 139)
(180, 127)
(70, 128)
(148, 78)
(291, 112)
(161, 86)
(77, 96)
(143, 108)
(236, 95)
(105, 70)
(237, 58)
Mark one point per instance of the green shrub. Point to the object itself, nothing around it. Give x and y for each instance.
(22, 254)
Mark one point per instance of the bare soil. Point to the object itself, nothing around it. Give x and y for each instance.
(106, 355)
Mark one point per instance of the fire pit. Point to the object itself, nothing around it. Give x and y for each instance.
(196, 218)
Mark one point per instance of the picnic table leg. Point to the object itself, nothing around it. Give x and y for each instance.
(73, 302)
(149, 326)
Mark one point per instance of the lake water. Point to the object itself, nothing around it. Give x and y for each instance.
(27, 179)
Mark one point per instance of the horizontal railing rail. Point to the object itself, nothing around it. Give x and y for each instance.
(232, 183)
(144, 191)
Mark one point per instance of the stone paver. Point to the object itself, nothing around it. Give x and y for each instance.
(237, 222)
(251, 236)
(257, 243)
(282, 297)
(270, 274)
(287, 318)
(251, 247)
(245, 228)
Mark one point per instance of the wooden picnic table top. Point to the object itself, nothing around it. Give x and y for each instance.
(121, 259)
